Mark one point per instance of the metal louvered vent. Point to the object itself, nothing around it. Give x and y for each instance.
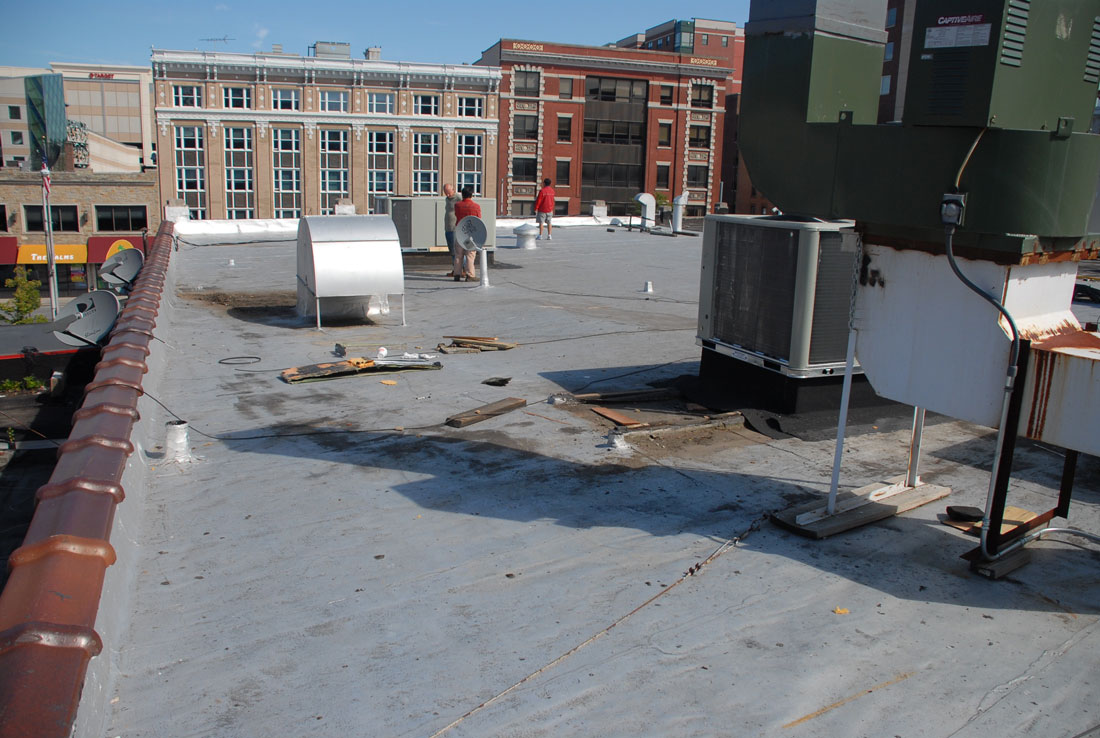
(1092, 64)
(947, 93)
(1012, 45)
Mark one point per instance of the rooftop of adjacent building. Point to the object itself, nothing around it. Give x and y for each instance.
(335, 560)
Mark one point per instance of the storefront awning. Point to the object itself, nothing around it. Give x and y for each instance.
(63, 253)
(100, 248)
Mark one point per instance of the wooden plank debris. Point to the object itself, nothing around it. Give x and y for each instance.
(492, 410)
(1013, 516)
(470, 344)
(618, 418)
(353, 367)
(645, 394)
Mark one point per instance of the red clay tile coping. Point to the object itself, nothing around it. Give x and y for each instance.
(48, 608)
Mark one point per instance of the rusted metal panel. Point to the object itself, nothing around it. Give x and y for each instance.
(1063, 392)
(49, 605)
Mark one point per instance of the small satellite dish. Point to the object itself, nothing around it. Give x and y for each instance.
(87, 319)
(471, 233)
(122, 269)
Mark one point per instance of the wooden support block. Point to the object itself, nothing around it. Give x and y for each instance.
(855, 517)
(461, 420)
(1003, 566)
(618, 418)
(1013, 516)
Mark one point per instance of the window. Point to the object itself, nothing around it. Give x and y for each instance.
(527, 84)
(619, 132)
(17, 138)
(609, 89)
(663, 176)
(62, 218)
(704, 39)
(470, 107)
(334, 168)
(561, 208)
(524, 170)
(697, 175)
(236, 97)
(523, 207)
(334, 101)
(14, 112)
(470, 161)
(884, 86)
(888, 55)
(240, 192)
(561, 173)
(664, 134)
(725, 41)
(187, 96)
(565, 128)
(611, 175)
(3, 218)
(891, 17)
(120, 218)
(380, 102)
(426, 163)
(699, 137)
(666, 94)
(286, 150)
(426, 104)
(565, 88)
(380, 167)
(285, 99)
(702, 96)
(191, 169)
(525, 128)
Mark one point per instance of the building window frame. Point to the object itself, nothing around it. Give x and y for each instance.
(17, 138)
(471, 107)
(3, 218)
(333, 101)
(698, 136)
(15, 112)
(425, 104)
(286, 98)
(885, 84)
(702, 96)
(698, 175)
(335, 167)
(470, 161)
(528, 83)
(126, 218)
(190, 160)
(525, 127)
(286, 164)
(565, 88)
(240, 188)
(63, 218)
(616, 89)
(381, 158)
(380, 103)
(525, 169)
(664, 176)
(187, 96)
(664, 134)
(668, 94)
(565, 129)
(237, 98)
(426, 160)
(562, 172)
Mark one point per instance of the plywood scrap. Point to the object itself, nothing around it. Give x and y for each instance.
(624, 421)
(492, 410)
(475, 343)
(645, 394)
(1013, 516)
(353, 367)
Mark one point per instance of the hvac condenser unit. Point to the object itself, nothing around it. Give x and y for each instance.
(775, 292)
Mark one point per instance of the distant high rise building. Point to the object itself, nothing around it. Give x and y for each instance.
(46, 123)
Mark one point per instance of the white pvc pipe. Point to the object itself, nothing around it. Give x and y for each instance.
(842, 422)
(177, 446)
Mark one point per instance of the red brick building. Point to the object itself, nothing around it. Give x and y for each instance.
(607, 122)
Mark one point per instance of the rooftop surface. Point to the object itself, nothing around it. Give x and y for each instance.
(335, 561)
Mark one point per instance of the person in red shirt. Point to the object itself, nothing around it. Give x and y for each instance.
(464, 258)
(544, 208)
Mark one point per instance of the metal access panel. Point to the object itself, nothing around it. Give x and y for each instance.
(1003, 64)
(420, 221)
(776, 293)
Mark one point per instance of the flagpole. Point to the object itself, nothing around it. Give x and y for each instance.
(48, 227)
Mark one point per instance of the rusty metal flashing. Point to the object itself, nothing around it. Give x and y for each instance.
(49, 605)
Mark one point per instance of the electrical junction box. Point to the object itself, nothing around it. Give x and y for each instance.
(1018, 64)
(776, 293)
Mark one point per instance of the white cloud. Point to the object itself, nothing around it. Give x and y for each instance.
(261, 34)
(222, 7)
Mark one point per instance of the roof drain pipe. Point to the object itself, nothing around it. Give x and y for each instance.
(177, 445)
(951, 211)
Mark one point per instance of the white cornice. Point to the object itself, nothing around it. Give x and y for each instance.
(602, 62)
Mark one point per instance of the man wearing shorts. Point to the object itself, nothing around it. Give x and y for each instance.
(544, 209)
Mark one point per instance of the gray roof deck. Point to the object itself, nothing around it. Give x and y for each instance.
(316, 571)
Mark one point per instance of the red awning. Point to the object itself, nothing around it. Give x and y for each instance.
(9, 249)
(100, 248)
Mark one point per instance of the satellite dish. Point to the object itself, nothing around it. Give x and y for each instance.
(122, 269)
(471, 233)
(86, 319)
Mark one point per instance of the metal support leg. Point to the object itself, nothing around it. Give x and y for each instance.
(1069, 470)
(317, 303)
(484, 268)
(403, 309)
(1006, 449)
(912, 479)
(842, 421)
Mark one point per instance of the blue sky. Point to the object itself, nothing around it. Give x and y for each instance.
(122, 32)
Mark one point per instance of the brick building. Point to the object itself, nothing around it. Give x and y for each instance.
(93, 215)
(606, 122)
(280, 135)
